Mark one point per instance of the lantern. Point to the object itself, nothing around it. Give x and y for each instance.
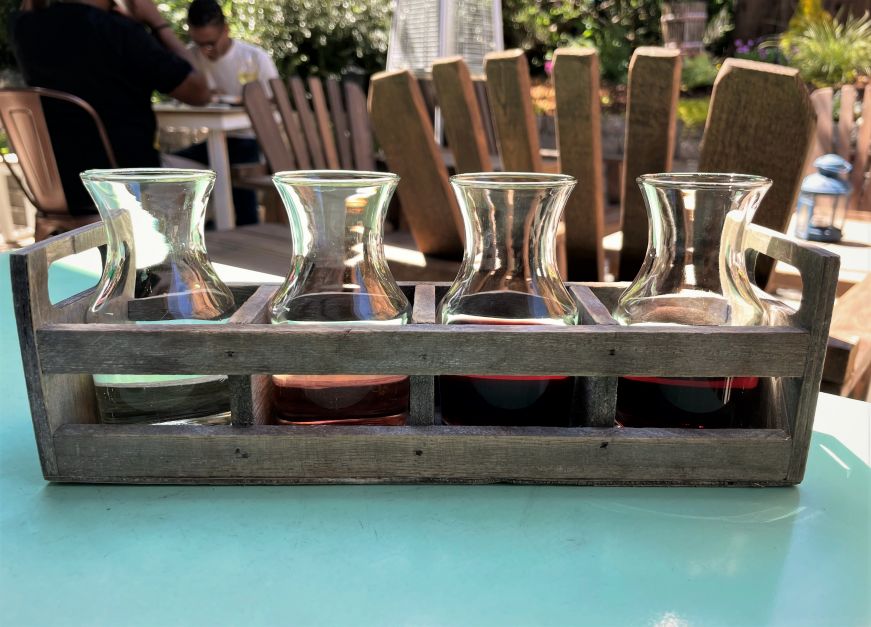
(823, 200)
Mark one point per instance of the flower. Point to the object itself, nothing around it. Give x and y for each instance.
(548, 67)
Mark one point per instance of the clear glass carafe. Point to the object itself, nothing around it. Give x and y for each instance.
(694, 274)
(338, 276)
(509, 275)
(157, 271)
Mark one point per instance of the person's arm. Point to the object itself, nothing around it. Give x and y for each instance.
(193, 89)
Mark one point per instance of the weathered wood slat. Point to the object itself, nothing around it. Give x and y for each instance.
(464, 125)
(509, 92)
(846, 121)
(397, 454)
(307, 121)
(325, 127)
(579, 138)
(259, 110)
(424, 349)
(821, 101)
(651, 118)
(767, 136)
(361, 132)
(861, 198)
(340, 121)
(404, 131)
(291, 124)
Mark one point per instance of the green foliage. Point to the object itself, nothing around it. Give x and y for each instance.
(830, 52)
(303, 36)
(307, 36)
(698, 71)
(614, 27)
(693, 112)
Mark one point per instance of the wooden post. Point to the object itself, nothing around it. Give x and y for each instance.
(579, 139)
(404, 131)
(760, 122)
(463, 122)
(861, 198)
(509, 91)
(651, 118)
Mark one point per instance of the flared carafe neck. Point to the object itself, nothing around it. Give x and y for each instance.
(154, 221)
(338, 271)
(509, 268)
(694, 270)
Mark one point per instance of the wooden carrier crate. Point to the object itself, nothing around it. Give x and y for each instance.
(59, 352)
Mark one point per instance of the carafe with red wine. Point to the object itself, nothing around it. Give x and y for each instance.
(694, 273)
(509, 276)
(339, 277)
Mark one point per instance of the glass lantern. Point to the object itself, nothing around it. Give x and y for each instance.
(822, 203)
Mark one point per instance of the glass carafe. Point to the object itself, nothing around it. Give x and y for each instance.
(509, 275)
(338, 276)
(694, 274)
(157, 271)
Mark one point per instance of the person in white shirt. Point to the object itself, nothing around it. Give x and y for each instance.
(228, 64)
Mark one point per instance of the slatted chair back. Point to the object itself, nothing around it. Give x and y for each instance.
(326, 123)
(404, 131)
(845, 139)
(22, 117)
(268, 132)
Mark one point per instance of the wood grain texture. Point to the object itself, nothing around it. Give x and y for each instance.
(307, 122)
(359, 123)
(404, 131)
(591, 309)
(423, 349)
(463, 122)
(595, 398)
(325, 126)
(273, 454)
(846, 122)
(291, 124)
(509, 92)
(259, 110)
(651, 118)
(819, 269)
(821, 101)
(579, 139)
(54, 398)
(767, 136)
(861, 198)
(340, 121)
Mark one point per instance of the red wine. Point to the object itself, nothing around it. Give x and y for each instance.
(687, 403)
(506, 400)
(340, 399)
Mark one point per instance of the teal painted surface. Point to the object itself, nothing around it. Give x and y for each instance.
(424, 555)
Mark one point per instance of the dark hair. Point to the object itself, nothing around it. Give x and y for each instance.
(205, 13)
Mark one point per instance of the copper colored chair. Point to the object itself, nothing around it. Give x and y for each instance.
(23, 119)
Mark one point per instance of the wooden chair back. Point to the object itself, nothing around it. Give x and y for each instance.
(744, 133)
(22, 117)
(326, 122)
(404, 131)
(829, 138)
(266, 129)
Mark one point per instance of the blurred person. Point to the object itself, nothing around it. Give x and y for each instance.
(228, 64)
(113, 55)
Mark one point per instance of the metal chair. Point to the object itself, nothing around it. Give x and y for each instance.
(21, 114)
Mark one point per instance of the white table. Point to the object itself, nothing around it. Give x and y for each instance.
(218, 119)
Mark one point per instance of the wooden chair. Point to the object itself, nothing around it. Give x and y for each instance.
(22, 116)
(829, 139)
(744, 133)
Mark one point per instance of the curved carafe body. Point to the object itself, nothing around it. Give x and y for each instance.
(157, 271)
(694, 273)
(338, 276)
(509, 275)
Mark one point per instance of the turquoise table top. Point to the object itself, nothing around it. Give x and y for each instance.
(430, 555)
